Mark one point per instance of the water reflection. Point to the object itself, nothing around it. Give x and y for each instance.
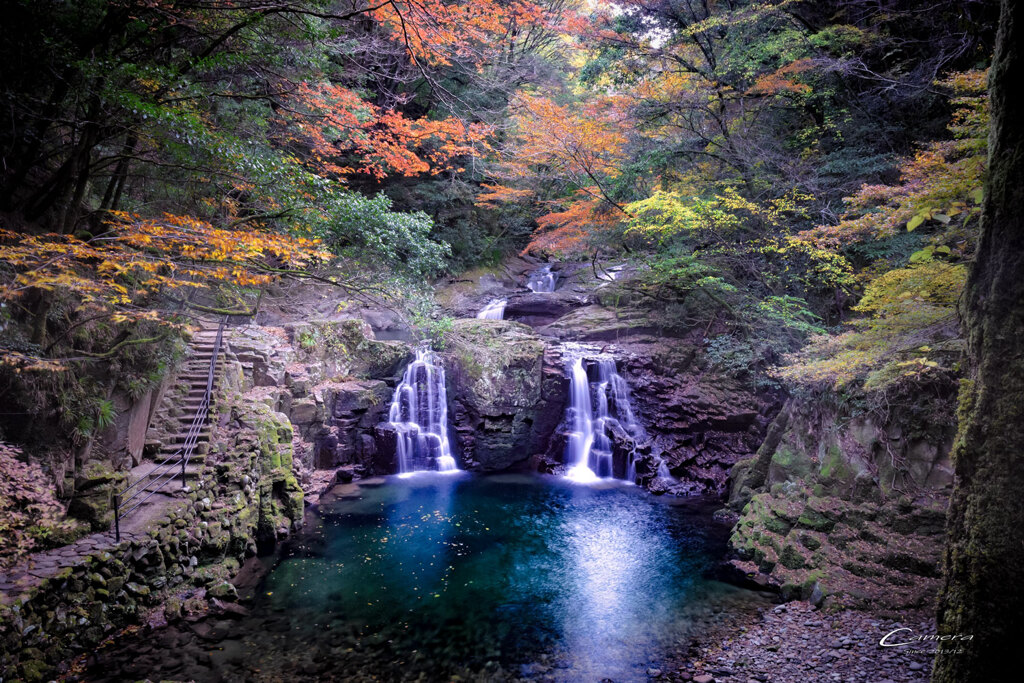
(622, 580)
(416, 542)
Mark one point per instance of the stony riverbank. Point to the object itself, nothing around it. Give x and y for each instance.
(797, 643)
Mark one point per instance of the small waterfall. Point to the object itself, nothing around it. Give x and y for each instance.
(542, 280)
(419, 412)
(495, 310)
(589, 448)
(581, 439)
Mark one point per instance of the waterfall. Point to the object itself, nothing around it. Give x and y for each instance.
(589, 448)
(495, 310)
(581, 438)
(542, 280)
(419, 412)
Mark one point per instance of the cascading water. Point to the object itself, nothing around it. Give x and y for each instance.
(542, 280)
(419, 412)
(581, 438)
(589, 448)
(495, 310)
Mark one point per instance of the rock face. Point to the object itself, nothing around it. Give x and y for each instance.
(850, 505)
(300, 355)
(507, 393)
(597, 323)
(331, 379)
(701, 422)
(850, 456)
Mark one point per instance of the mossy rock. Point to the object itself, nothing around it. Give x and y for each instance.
(809, 541)
(789, 464)
(92, 502)
(222, 591)
(813, 519)
(790, 557)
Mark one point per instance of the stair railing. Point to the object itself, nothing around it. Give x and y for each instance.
(163, 472)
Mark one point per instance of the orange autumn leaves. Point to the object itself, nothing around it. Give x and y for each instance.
(345, 133)
(441, 33)
(574, 146)
(119, 270)
(342, 134)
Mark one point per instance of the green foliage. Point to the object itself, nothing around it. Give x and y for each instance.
(426, 316)
(367, 231)
(911, 332)
(788, 315)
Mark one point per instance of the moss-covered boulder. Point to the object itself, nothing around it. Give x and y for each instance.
(507, 397)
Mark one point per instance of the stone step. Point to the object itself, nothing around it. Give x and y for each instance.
(192, 470)
(196, 459)
(180, 438)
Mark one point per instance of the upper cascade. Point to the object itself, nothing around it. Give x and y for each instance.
(589, 448)
(419, 412)
(494, 310)
(542, 280)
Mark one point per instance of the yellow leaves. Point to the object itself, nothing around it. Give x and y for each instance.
(668, 213)
(938, 184)
(139, 256)
(24, 363)
(905, 307)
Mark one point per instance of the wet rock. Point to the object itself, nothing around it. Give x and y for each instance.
(506, 393)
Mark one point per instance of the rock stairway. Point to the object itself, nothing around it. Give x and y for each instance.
(174, 420)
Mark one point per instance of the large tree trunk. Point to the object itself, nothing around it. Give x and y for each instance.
(983, 593)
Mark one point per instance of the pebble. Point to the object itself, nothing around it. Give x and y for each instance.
(796, 643)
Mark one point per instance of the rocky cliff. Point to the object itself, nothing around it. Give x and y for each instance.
(847, 504)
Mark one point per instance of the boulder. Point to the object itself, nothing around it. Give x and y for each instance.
(507, 394)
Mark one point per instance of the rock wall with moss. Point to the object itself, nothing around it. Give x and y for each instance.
(330, 379)
(507, 393)
(69, 602)
(845, 503)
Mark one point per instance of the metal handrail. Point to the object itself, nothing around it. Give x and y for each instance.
(165, 470)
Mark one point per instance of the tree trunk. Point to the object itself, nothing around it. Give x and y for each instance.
(983, 594)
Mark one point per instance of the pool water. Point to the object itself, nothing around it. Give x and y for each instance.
(441, 577)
